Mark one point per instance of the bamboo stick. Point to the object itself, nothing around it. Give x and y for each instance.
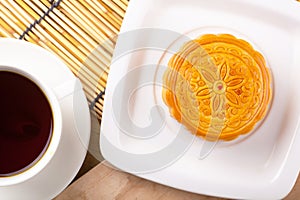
(67, 46)
(108, 22)
(17, 19)
(83, 22)
(56, 27)
(76, 35)
(105, 53)
(108, 11)
(114, 7)
(125, 2)
(5, 29)
(92, 20)
(107, 14)
(73, 25)
(92, 27)
(9, 18)
(78, 44)
(120, 4)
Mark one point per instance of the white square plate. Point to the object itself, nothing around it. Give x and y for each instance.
(264, 165)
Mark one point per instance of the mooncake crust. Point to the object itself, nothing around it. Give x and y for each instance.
(218, 86)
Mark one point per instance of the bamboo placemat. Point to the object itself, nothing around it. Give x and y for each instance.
(80, 32)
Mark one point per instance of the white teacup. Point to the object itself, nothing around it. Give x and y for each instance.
(64, 151)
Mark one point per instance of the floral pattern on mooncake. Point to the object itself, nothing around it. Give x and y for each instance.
(218, 86)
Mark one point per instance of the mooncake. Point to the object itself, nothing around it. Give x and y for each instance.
(218, 87)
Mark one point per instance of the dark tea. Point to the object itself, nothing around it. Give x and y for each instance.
(26, 123)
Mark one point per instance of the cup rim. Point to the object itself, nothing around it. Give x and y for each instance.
(45, 157)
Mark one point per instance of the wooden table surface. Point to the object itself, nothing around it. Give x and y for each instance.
(104, 182)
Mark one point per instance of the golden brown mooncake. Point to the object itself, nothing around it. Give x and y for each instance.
(218, 86)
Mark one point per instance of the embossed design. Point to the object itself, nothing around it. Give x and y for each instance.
(218, 86)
